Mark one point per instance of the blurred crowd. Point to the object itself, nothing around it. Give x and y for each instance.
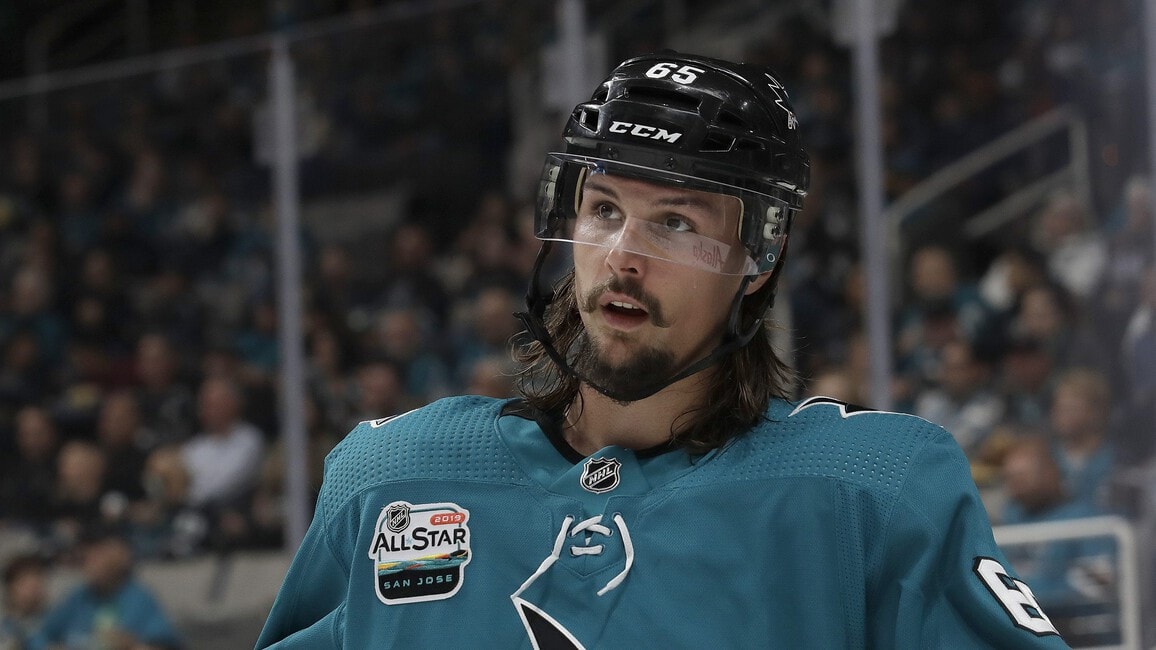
(139, 334)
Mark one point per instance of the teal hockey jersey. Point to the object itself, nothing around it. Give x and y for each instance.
(470, 523)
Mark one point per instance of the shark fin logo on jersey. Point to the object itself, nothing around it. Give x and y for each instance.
(419, 551)
(601, 474)
(543, 630)
(845, 410)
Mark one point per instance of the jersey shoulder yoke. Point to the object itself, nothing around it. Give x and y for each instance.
(451, 439)
(822, 437)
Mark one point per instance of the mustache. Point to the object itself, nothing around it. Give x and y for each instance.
(630, 288)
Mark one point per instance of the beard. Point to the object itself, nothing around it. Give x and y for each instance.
(644, 367)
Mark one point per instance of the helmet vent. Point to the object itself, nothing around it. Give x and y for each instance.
(731, 120)
(587, 118)
(717, 142)
(743, 144)
(661, 96)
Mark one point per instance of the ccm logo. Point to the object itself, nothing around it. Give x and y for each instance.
(644, 131)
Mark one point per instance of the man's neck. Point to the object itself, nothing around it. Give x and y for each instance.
(595, 421)
(1082, 447)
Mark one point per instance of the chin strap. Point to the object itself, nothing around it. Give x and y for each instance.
(533, 318)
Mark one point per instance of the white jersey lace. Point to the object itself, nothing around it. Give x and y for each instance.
(593, 525)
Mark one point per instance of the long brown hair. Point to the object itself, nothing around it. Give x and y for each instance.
(744, 382)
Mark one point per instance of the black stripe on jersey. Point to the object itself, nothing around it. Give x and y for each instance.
(549, 423)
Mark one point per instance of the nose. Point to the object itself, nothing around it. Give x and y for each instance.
(624, 254)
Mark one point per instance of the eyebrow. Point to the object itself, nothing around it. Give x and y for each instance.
(681, 200)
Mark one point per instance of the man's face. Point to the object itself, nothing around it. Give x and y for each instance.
(1031, 478)
(28, 594)
(106, 563)
(647, 317)
(1071, 413)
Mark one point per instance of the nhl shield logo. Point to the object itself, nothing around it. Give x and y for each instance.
(397, 517)
(601, 474)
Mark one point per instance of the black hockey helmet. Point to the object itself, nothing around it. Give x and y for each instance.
(692, 122)
(689, 121)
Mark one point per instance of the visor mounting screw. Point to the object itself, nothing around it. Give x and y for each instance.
(612, 153)
(671, 163)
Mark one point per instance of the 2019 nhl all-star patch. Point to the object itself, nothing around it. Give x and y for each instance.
(419, 551)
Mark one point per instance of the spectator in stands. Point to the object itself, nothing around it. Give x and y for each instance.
(1076, 251)
(401, 335)
(111, 608)
(329, 363)
(262, 525)
(1015, 269)
(836, 382)
(224, 456)
(379, 391)
(25, 599)
(492, 376)
(410, 280)
(29, 480)
(168, 303)
(76, 210)
(78, 499)
(167, 405)
(25, 375)
(336, 290)
(987, 462)
(1026, 380)
(935, 280)
(1065, 575)
(257, 388)
(257, 341)
(921, 348)
(202, 235)
(487, 242)
(120, 434)
(147, 198)
(1079, 416)
(963, 401)
(486, 330)
(163, 524)
(28, 175)
(1047, 313)
(1138, 362)
(30, 307)
(102, 311)
(85, 374)
(1130, 254)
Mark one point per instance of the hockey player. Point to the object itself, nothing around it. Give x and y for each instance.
(654, 487)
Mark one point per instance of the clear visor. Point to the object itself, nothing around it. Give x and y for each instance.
(686, 221)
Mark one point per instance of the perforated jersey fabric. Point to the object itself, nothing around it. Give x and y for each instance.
(826, 526)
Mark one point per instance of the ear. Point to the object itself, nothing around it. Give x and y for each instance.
(757, 283)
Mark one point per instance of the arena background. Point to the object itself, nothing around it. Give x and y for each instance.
(165, 164)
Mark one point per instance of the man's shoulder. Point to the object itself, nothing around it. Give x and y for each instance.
(833, 419)
(824, 437)
(135, 591)
(452, 439)
(436, 419)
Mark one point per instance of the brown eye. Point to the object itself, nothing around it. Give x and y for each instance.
(605, 211)
(679, 224)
